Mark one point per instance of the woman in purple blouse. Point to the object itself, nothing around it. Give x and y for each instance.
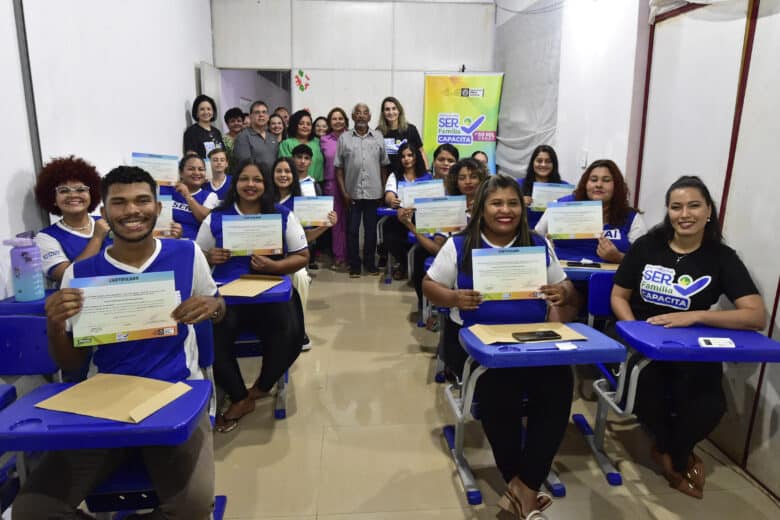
(337, 124)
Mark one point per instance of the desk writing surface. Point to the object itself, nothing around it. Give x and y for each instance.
(278, 293)
(682, 343)
(598, 348)
(7, 396)
(25, 427)
(577, 274)
(34, 307)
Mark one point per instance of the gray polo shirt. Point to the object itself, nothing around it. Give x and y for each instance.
(248, 143)
(361, 157)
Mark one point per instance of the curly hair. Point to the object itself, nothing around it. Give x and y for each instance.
(472, 165)
(618, 209)
(295, 119)
(60, 170)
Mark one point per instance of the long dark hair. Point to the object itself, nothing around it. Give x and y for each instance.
(712, 234)
(295, 119)
(530, 174)
(295, 187)
(473, 231)
(471, 165)
(266, 199)
(419, 165)
(618, 209)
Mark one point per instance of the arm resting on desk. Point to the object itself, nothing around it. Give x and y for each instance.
(749, 315)
(287, 265)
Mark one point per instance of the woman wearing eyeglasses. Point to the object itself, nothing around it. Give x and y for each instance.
(70, 187)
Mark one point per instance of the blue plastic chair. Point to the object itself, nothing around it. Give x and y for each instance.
(599, 306)
(9, 484)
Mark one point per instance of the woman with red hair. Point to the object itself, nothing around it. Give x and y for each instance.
(70, 187)
(603, 181)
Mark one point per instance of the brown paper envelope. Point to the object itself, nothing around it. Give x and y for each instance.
(122, 398)
(490, 334)
(602, 266)
(249, 286)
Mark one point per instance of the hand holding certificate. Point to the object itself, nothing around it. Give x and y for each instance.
(440, 214)
(512, 273)
(545, 192)
(245, 235)
(409, 191)
(579, 219)
(125, 308)
(163, 168)
(313, 211)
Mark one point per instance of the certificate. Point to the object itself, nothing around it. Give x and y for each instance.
(162, 227)
(440, 214)
(308, 187)
(511, 273)
(313, 211)
(163, 168)
(545, 192)
(123, 308)
(577, 219)
(409, 191)
(252, 234)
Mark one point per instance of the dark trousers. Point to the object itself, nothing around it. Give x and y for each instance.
(395, 240)
(277, 325)
(541, 394)
(680, 404)
(418, 261)
(362, 210)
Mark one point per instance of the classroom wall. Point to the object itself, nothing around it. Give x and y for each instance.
(355, 50)
(17, 175)
(113, 77)
(245, 84)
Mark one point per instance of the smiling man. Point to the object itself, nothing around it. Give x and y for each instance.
(255, 142)
(183, 475)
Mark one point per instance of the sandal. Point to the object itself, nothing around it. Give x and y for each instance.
(677, 481)
(509, 503)
(399, 274)
(695, 472)
(543, 501)
(224, 425)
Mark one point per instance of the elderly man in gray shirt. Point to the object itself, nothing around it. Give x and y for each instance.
(361, 169)
(255, 142)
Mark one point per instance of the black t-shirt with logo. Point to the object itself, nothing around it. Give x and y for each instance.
(663, 281)
(393, 141)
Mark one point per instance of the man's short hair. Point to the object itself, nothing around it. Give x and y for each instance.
(233, 113)
(127, 175)
(302, 149)
(215, 151)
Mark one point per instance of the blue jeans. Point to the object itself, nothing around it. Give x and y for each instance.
(364, 209)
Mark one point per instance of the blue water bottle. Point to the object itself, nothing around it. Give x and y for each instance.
(27, 269)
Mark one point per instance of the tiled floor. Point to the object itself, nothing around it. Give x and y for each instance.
(362, 440)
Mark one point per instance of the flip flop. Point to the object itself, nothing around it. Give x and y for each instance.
(509, 503)
(543, 501)
(695, 472)
(225, 425)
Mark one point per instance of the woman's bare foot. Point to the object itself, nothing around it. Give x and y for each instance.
(520, 500)
(255, 393)
(228, 420)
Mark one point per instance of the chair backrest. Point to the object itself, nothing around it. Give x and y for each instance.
(599, 291)
(24, 346)
(204, 335)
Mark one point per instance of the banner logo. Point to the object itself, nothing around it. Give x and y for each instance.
(657, 287)
(454, 130)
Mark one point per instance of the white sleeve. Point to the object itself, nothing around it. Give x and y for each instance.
(67, 276)
(637, 229)
(202, 282)
(211, 201)
(295, 236)
(205, 238)
(541, 226)
(445, 266)
(52, 253)
(555, 273)
(391, 184)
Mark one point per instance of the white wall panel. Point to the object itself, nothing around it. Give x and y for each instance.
(409, 88)
(343, 88)
(443, 37)
(753, 214)
(110, 78)
(693, 87)
(342, 35)
(251, 35)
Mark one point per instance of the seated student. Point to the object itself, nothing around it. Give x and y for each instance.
(464, 178)
(542, 167)
(480, 156)
(681, 403)
(191, 203)
(393, 230)
(623, 224)
(498, 220)
(220, 182)
(277, 325)
(70, 187)
(183, 475)
(286, 188)
(302, 157)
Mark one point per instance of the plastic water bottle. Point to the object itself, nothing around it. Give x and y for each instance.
(27, 269)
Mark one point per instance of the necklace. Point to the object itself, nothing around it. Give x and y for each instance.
(680, 257)
(82, 228)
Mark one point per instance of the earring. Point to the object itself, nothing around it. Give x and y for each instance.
(708, 219)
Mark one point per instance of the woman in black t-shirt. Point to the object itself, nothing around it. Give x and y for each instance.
(671, 277)
(202, 137)
(396, 131)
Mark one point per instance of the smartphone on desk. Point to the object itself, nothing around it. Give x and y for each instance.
(592, 265)
(536, 335)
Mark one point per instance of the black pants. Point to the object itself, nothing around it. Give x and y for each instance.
(418, 260)
(541, 394)
(362, 210)
(395, 240)
(680, 404)
(277, 325)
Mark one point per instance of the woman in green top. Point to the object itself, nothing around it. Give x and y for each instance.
(301, 131)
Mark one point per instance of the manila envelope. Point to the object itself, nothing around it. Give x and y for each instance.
(489, 334)
(249, 285)
(129, 399)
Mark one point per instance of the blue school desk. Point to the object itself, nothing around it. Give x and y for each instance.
(582, 273)
(33, 307)
(656, 343)
(278, 293)
(597, 348)
(7, 396)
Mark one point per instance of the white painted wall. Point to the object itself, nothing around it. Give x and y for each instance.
(598, 54)
(19, 211)
(112, 77)
(248, 84)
